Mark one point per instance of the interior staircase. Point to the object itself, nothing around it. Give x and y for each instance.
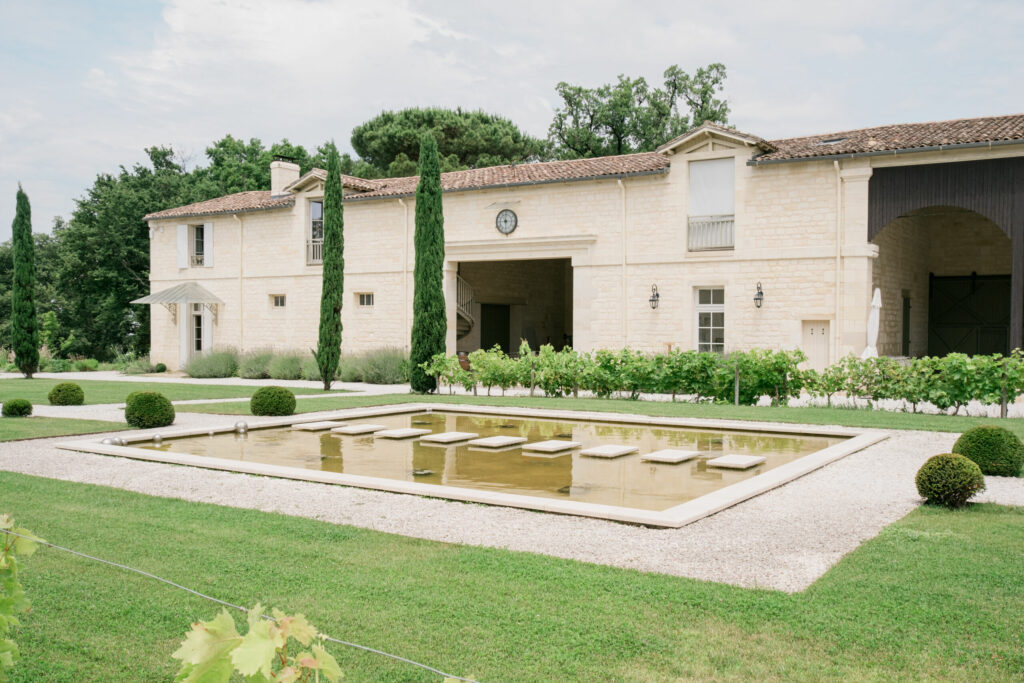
(465, 320)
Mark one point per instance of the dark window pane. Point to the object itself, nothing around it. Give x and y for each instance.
(718, 296)
(718, 319)
(704, 296)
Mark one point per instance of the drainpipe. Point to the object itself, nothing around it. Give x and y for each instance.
(241, 288)
(405, 274)
(839, 259)
(625, 288)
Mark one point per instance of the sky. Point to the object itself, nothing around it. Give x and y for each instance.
(86, 86)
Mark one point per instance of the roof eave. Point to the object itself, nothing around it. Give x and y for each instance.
(151, 217)
(606, 176)
(886, 152)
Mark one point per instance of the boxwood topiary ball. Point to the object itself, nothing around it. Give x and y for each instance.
(66, 394)
(17, 407)
(949, 479)
(997, 451)
(272, 401)
(148, 409)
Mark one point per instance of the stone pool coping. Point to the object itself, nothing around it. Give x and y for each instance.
(673, 517)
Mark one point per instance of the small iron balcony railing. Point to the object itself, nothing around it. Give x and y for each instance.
(707, 233)
(314, 252)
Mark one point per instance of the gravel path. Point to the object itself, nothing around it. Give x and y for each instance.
(784, 539)
(165, 378)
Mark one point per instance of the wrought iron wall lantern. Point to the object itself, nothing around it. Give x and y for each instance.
(655, 297)
(759, 297)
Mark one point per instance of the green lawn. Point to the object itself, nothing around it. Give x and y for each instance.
(13, 428)
(937, 595)
(879, 419)
(112, 391)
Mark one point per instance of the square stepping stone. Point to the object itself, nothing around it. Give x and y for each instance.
(669, 456)
(364, 428)
(737, 462)
(402, 433)
(317, 426)
(449, 437)
(609, 451)
(497, 441)
(551, 446)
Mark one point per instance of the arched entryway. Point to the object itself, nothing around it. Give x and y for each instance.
(945, 277)
(962, 224)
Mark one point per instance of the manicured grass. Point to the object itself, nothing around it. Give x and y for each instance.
(13, 428)
(879, 419)
(112, 391)
(937, 595)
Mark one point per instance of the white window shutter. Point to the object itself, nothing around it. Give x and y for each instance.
(208, 245)
(183, 246)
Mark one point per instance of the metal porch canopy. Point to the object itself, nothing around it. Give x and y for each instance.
(185, 293)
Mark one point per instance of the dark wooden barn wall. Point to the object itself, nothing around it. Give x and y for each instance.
(994, 188)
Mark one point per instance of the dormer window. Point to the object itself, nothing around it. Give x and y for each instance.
(712, 204)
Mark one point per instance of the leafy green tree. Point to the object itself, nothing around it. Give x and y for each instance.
(24, 325)
(430, 320)
(104, 255)
(332, 292)
(238, 166)
(390, 142)
(631, 116)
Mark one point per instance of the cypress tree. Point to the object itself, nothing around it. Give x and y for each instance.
(328, 352)
(24, 327)
(430, 321)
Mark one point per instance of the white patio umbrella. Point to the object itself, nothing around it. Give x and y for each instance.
(871, 351)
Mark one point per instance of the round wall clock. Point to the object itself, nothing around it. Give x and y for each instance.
(506, 221)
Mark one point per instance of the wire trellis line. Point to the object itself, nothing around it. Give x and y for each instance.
(240, 608)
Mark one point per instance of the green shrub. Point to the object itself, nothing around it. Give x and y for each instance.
(218, 363)
(350, 369)
(388, 365)
(17, 407)
(66, 394)
(949, 479)
(84, 365)
(311, 371)
(272, 401)
(996, 451)
(131, 397)
(148, 409)
(285, 366)
(59, 365)
(139, 366)
(159, 367)
(255, 364)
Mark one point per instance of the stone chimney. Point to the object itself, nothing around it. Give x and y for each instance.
(282, 174)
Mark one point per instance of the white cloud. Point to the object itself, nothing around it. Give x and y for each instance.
(116, 82)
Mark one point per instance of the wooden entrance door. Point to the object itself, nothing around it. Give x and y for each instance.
(494, 326)
(815, 343)
(969, 315)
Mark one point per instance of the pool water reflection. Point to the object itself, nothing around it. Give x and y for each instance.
(625, 481)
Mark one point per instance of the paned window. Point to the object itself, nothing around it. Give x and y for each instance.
(711, 320)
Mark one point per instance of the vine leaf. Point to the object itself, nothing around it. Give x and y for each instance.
(256, 652)
(204, 652)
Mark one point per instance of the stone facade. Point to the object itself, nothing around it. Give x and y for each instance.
(800, 231)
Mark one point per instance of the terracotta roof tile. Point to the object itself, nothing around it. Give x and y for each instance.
(905, 136)
(525, 174)
(240, 202)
